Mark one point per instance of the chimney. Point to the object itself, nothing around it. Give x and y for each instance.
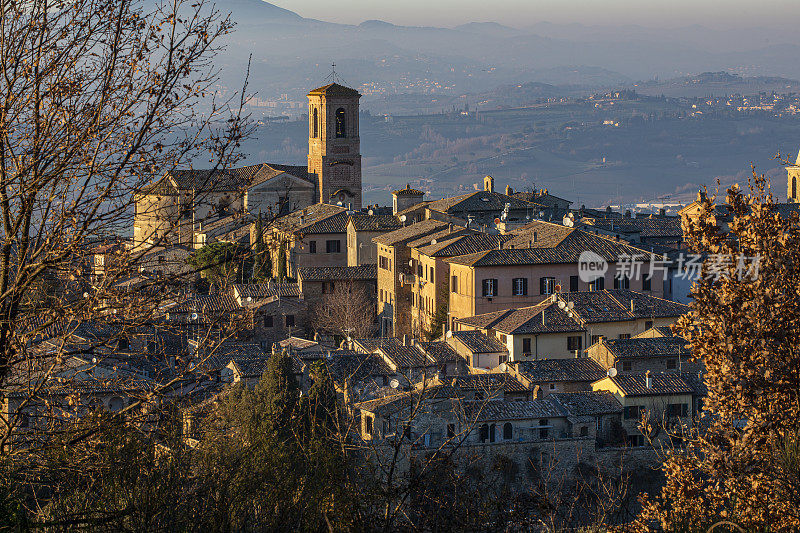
(500, 244)
(648, 381)
(405, 340)
(633, 308)
(450, 228)
(413, 341)
(509, 190)
(543, 317)
(662, 212)
(488, 184)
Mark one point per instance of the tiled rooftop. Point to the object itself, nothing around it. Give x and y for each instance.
(365, 222)
(513, 410)
(553, 370)
(346, 273)
(318, 218)
(410, 232)
(589, 403)
(477, 342)
(648, 347)
(661, 383)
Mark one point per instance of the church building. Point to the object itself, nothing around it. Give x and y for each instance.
(175, 208)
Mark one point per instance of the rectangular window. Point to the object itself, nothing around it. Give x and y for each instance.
(648, 324)
(312, 247)
(647, 284)
(420, 273)
(327, 287)
(383, 262)
(624, 335)
(489, 287)
(519, 286)
(431, 279)
(573, 284)
(368, 425)
(454, 284)
(677, 409)
(289, 321)
(632, 412)
(547, 285)
(622, 282)
(584, 431)
(672, 364)
(597, 285)
(627, 366)
(574, 342)
(526, 346)
(333, 246)
(544, 432)
(268, 322)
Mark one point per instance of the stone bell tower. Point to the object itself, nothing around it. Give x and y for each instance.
(793, 187)
(334, 147)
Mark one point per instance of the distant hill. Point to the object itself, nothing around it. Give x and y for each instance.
(717, 84)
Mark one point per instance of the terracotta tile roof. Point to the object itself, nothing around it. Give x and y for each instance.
(439, 352)
(487, 381)
(413, 208)
(408, 191)
(568, 250)
(335, 90)
(554, 370)
(265, 290)
(363, 272)
(222, 180)
(478, 342)
(356, 366)
(411, 232)
(478, 201)
(633, 384)
(648, 347)
(646, 227)
(526, 320)
(373, 343)
(297, 343)
(537, 197)
(589, 403)
(318, 218)
(404, 356)
(365, 222)
(515, 410)
(464, 244)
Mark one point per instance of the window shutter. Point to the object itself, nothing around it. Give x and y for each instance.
(542, 283)
(524, 286)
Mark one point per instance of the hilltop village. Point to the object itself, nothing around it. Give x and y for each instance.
(496, 322)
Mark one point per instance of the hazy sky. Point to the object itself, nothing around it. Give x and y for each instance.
(521, 13)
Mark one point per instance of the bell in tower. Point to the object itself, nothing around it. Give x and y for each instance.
(334, 147)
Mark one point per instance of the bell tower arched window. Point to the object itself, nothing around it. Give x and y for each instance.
(341, 123)
(794, 188)
(315, 123)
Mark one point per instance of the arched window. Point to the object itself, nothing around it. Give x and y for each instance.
(315, 123)
(492, 430)
(484, 433)
(341, 123)
(794, 187)
(508, 431)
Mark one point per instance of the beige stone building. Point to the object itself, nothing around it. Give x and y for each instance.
(177, 206)
(395, 275)
(362, 228)
(541, 259)
(563, 325)
(793, 171)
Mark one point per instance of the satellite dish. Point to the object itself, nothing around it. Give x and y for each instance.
(433, 241)
(558, 288)
(193, 316)
(339, 203)
(85, 294)
(394, 383)
(449, 334)
(571, 305)
(249, 299)
(370, 212)
(402, 218)
(612, 372)
(541, 214)
(497, 221)
(568, 220)
(561, 304)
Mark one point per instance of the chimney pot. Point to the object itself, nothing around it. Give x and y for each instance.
(633, 307)
(648, 381)
(509, 190)
(405, 340)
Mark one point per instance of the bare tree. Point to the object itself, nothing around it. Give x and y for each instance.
(99, 99)
(348, 311)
